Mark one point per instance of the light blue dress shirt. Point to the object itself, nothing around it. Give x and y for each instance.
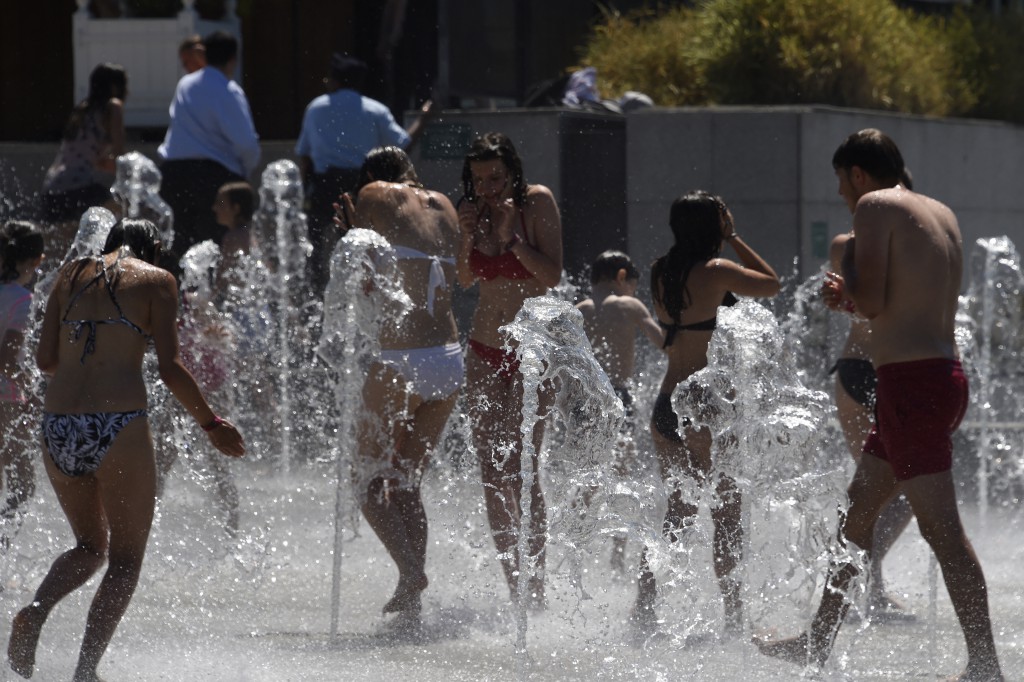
(210, 119)
(339, 128)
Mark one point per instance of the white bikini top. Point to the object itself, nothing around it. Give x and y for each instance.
(437, 279)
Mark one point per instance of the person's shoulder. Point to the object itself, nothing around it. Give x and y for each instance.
(439, 199)
(370, 104)
(149, 275)
(585, 305)
(534, 191)
(379, 190)
(539, 196)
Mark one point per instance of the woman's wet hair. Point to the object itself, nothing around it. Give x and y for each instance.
(137, 235)
(107, 81)
(19, 241)
(488, 147)
(607, 265)
(873, 152)
(387, 164)
(696, 222)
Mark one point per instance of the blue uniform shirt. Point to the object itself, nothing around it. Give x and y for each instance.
(210, 119)
(339, 128)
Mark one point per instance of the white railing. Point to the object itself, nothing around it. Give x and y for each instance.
(148, 50)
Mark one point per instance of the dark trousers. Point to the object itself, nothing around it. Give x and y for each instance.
(190, 187)
(324, 191)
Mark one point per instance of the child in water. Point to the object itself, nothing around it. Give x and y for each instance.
(612, 316)
(21, 252)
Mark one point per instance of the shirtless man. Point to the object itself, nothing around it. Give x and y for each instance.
(902, 272)
(855, 388)
(611, 317)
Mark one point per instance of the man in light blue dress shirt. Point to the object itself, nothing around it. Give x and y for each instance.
(211, 141)
(338, 129)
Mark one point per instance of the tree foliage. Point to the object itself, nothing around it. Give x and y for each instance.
(852, 53)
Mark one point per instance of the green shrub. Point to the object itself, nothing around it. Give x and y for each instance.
(993, 60)
(852, 53)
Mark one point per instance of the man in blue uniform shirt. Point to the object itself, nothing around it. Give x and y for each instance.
(211, 141)
(338, 129)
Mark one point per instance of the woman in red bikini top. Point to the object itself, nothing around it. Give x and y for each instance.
(512, 245)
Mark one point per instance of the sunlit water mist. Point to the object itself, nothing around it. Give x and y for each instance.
(769, 436)
(137, 189)
(255, 606)
(991, 341)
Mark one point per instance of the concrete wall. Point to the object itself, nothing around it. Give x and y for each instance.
(773, 166)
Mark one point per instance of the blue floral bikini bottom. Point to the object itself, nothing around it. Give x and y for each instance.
(77, 443)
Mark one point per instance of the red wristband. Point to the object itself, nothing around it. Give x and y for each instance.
(849, 307)
(217, 421)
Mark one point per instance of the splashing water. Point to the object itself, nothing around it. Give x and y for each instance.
(991, 343)
(362, 293)
(137, 188)
(280, 228)
(252, 607)
(768, 436)
(554, 354)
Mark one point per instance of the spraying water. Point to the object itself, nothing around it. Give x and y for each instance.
(280, 226)
(361, 295)
(137, 189)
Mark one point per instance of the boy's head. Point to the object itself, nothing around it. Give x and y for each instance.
(873, 152)
(234, 204)
(607, 268)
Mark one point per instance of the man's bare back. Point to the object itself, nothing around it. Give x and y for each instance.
(904, 274)
(613, 315)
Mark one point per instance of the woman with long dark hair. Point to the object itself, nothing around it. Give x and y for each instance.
(81, 174)
(688, 284)
(102, 314)
(511, 245)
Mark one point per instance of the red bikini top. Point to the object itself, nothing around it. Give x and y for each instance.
(505, 264)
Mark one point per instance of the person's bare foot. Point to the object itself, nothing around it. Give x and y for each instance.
(407, 595)
(25, 629)
(795, 649)
(885, 608)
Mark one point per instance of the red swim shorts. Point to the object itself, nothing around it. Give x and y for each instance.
(920, 405)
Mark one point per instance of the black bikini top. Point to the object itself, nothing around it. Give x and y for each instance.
(708, 325)
(77, 326)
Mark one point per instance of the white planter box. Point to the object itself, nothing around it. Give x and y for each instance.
(148, 50)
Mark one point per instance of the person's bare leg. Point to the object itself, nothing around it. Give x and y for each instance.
(856, 421)
(424, 432)
(494, 409)
(382, 426)
(872, 486)
(383, 514)
(933, 498)
(892, 521)
(16, 450)
(80, 500)
(727, 551)
(678, 517)
(127, 487)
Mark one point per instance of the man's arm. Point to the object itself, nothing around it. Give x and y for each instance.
(866, 273)
(643, 319)
(237, 126)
